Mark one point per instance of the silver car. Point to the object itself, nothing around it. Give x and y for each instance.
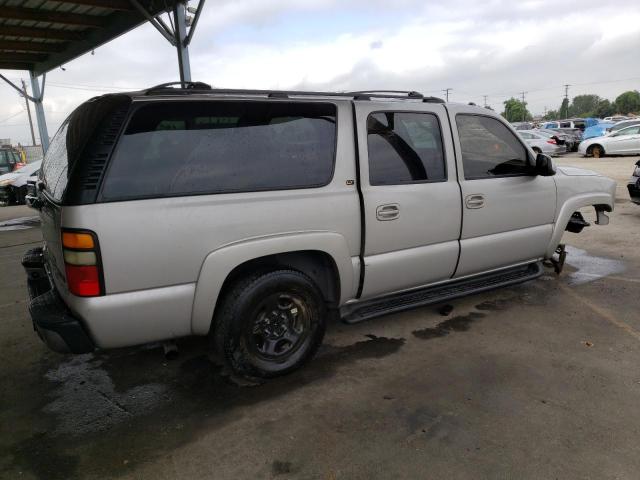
(541, 142)
(255, 217)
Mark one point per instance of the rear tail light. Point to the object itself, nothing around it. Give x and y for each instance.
(552, 141)
(82, 263)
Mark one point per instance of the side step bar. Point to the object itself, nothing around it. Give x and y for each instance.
(426, 296)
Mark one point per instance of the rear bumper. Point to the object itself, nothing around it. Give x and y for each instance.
(57, 327)
(634, 189)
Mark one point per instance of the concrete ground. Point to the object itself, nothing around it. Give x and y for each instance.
(536, 381)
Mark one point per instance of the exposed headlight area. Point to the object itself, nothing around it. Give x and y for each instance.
(636, 171)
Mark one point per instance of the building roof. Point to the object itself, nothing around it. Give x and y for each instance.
(40, 35)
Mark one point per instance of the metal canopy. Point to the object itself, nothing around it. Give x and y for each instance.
(39, 35)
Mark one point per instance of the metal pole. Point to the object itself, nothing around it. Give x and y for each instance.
(181, 46)
(446, 92)
(42, 122)
(33, 135)
(524, 108)
(566, 96)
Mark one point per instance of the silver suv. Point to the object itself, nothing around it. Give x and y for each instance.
(252, 216)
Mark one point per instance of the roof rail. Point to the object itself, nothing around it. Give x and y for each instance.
(367, 94)
(183, 86)
(197, 87)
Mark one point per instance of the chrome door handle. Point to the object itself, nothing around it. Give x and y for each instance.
(390, 211)
(475, 200)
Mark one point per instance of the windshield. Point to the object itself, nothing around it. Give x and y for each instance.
(5, 166)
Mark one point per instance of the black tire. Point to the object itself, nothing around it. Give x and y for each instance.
(270, 324)
(596, 151)
(21, 195)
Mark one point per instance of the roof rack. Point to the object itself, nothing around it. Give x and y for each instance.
(200, 87)
(184, 87)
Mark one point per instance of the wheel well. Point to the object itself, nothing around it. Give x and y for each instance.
(317, 265)
(536, 149)
(590, 148)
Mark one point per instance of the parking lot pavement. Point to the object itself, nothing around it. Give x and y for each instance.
(536, 381)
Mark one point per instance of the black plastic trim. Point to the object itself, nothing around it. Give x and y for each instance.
(363, 223)
(399, 302)
(52, 319)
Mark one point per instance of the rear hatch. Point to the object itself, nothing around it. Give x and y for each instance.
(72, 169)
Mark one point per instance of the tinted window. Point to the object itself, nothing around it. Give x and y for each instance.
(404, 148)
(629, 131)
(181, 148)
(489, 148)
(55, 164)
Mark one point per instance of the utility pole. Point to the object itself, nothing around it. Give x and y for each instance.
(446, 92)
(524, 108)
(485, 100)
(26, 99)
(545, 111)
(566, 97)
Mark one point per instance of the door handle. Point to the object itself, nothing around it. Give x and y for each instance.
(390, 211)
(475, 200)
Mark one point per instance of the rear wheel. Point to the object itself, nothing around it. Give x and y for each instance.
(270, 324)
(596, 151)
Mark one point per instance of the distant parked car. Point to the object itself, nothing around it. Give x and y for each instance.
(625, 141)
(623, 124)
(13, 186)
(560, 137)
(522, 125)
(581, 123)
(634, 184)
(614, 119)
(575, 137)
(541, 143)
(9, 160)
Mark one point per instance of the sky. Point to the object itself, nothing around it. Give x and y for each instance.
(497, 48)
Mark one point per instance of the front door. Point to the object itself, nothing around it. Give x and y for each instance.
(508, 212)
(411, 196)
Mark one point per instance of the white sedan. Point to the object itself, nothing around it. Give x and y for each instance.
(625, 141)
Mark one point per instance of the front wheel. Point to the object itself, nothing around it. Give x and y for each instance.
(270, 324)
(596, 151)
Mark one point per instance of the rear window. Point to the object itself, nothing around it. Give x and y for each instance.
(56, 164)
(187, 148)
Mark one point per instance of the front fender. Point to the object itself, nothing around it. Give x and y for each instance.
(571, 205)
(219, 264)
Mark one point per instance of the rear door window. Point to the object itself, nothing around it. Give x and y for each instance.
(188, 148)
(404, 148)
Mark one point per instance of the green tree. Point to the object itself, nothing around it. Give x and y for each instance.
(551, 115)
(628, 102)
(564, 111)
(515, 110)
(584, 105)
(604, 109)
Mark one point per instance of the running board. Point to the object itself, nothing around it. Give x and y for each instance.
(440, 293)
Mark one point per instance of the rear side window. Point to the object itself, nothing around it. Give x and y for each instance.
(489, 148)
(404, 148)
(184, 148)
(56, 164)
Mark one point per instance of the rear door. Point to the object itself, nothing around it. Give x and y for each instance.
(411, 196)
(508, 213)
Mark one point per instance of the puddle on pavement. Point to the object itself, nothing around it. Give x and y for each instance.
(21, 223)
(133, 405)
(589, 267)
(85, 399)
(461, 323)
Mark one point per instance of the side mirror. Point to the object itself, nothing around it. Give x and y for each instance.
(544, 166)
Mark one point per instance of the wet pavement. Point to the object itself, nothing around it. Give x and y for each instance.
(539, 380)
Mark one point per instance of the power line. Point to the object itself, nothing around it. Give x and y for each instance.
(11, 116)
